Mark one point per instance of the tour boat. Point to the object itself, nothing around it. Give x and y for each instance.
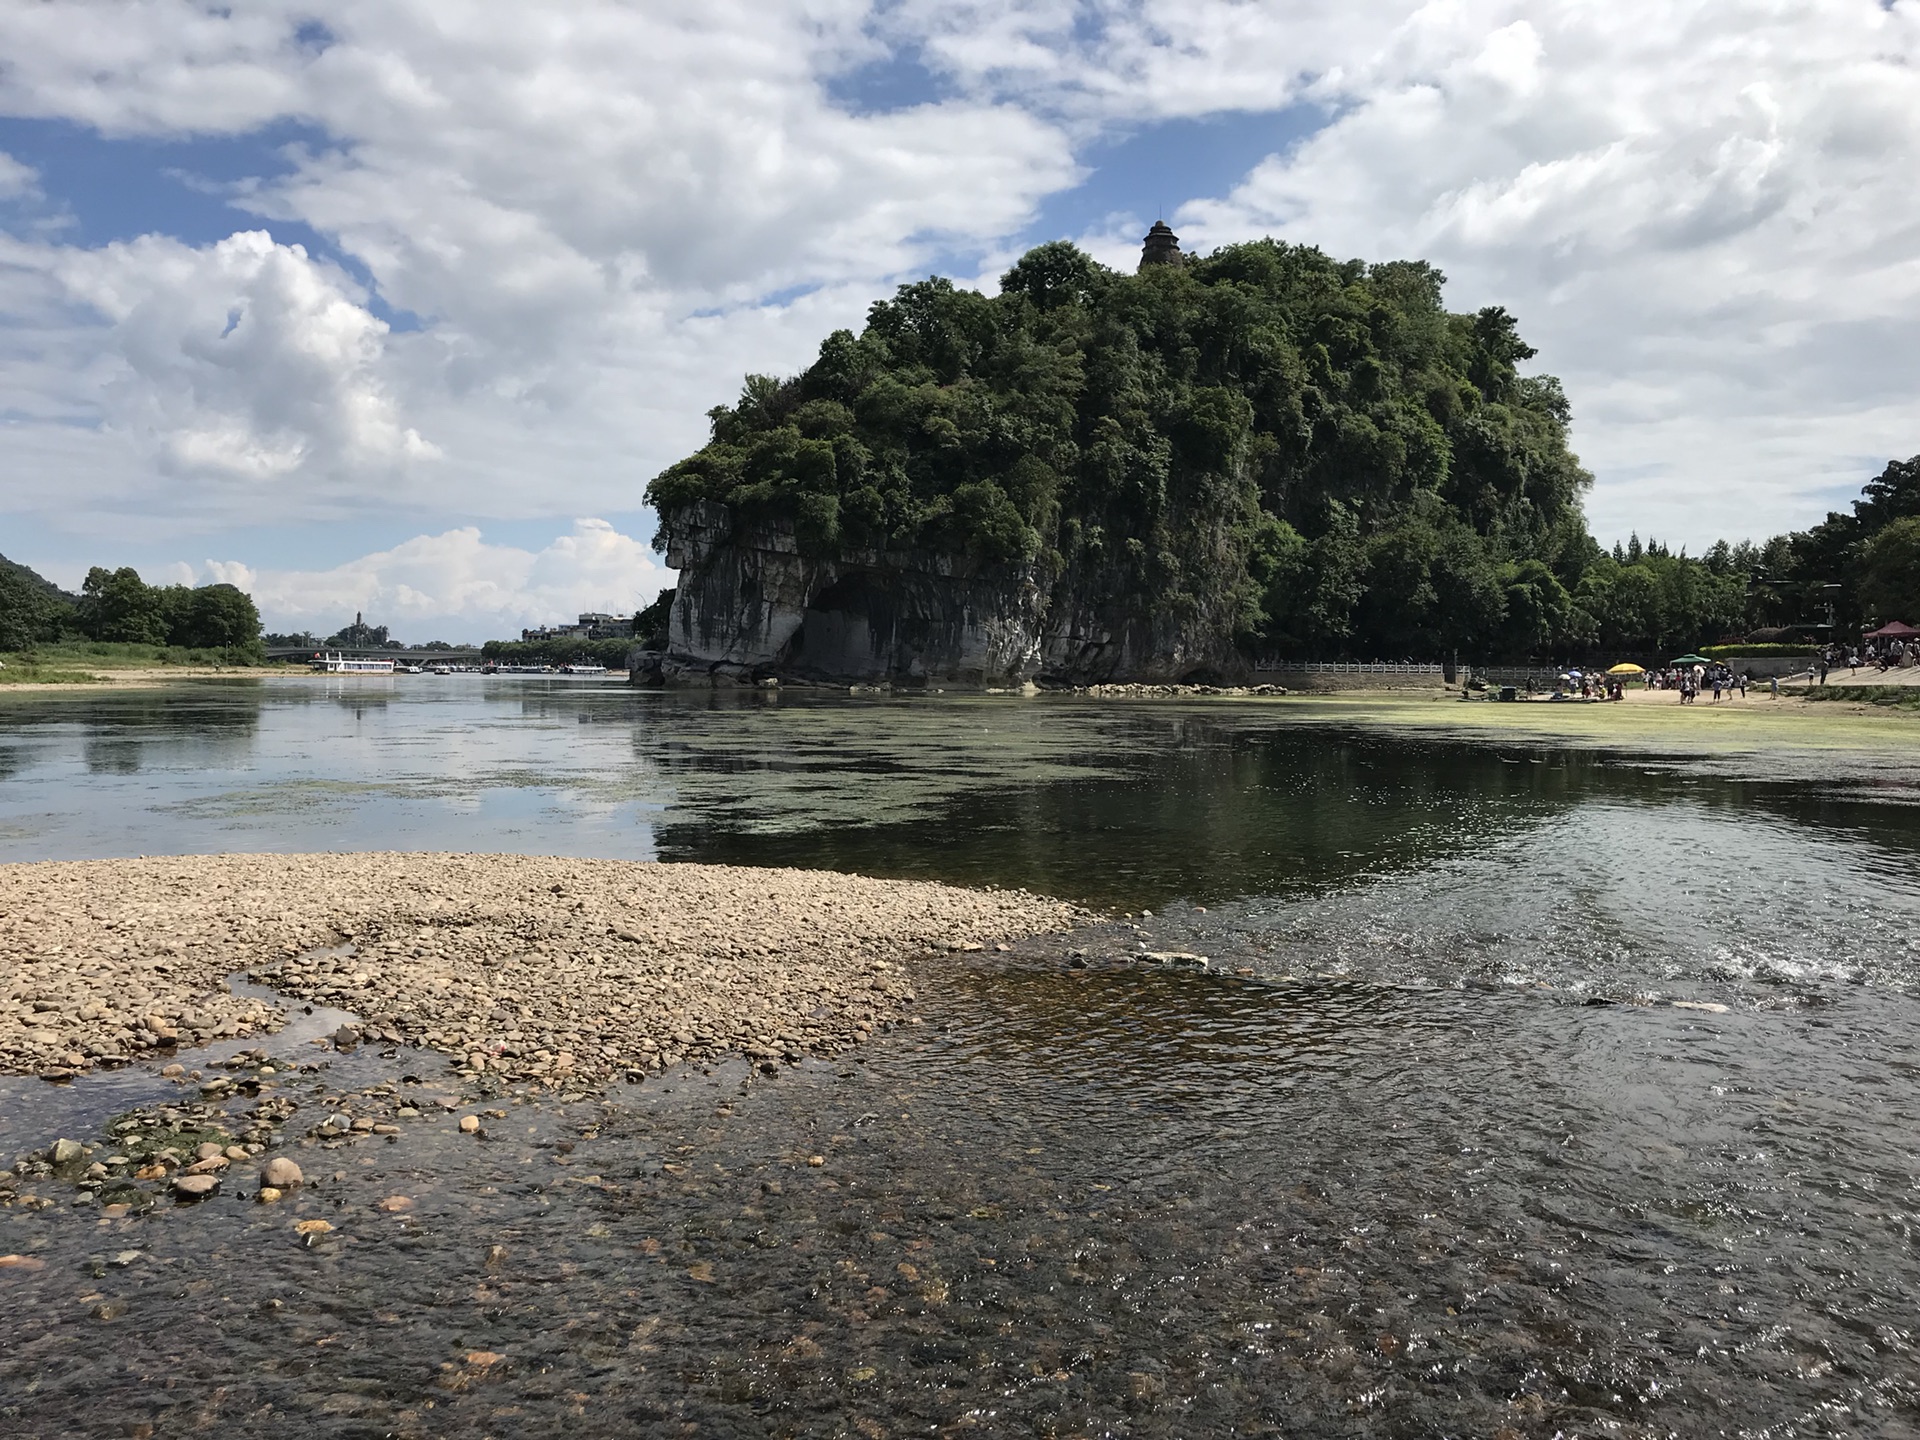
(335, 664)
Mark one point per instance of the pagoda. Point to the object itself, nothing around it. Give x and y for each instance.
(1160, 246)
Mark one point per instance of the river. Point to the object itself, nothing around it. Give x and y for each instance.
(1537, 1085)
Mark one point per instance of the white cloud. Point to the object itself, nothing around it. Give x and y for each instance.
(585, 204)
(17, 181)
(1702, 214)
(458, 586)
(1702, 218)
(245, 360)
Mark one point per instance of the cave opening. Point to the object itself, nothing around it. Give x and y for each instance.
(849, 630)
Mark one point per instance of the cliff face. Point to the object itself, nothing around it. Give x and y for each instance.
(750, 606)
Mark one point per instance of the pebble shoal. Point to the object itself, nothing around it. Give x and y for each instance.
(555, 971)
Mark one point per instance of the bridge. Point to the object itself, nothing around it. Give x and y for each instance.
(303, 653)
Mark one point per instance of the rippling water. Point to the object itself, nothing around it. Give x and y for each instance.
(1428, 1149)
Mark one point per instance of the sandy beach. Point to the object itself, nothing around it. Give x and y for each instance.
(548, 971)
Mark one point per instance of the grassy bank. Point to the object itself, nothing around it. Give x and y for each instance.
(27, 673)
(1652, 721)
(93, 662)
(91, 655)
(1885, 697)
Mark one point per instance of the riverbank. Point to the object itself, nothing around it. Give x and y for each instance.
(38, 680)
(549, 971)
(1785, 734)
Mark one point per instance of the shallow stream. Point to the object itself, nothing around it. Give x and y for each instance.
(1533, 1086)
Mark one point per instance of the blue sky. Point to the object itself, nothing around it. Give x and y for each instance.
(95, 190)
(534, 246)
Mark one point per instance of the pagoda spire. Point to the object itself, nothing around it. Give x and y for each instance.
(1160, 246)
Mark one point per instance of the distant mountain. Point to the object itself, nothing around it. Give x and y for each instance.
(36, 580)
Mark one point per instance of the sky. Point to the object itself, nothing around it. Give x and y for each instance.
(396, 306)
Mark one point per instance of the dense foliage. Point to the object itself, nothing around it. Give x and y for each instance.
(32, 609)
(1860, 568)
(1781, 651)
(118, 607)
(1315, 451)
(650, 625)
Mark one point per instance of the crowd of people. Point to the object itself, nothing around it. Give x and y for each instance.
(1690, 680)
(1577, 684)
(1881, 655)
(1722, 681)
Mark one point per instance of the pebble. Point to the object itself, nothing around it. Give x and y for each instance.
(268, 1195)
(563, 973)
(194, 1187)
(281, 1173)
(469, 1124)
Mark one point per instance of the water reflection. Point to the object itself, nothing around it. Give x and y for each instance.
(1126, 805)
(113, 755)
(1382, 1170)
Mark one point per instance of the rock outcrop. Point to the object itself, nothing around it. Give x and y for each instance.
(751, 606)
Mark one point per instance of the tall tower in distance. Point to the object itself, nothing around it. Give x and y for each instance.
(1160, 246)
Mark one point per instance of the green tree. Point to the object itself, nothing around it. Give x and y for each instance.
(1536, 610)
(1890, 571)
(217, 617)
(118, 606)
(650, 625)
(30, 614)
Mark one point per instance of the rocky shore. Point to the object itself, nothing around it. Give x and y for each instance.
(551, 972)
(1132, 691)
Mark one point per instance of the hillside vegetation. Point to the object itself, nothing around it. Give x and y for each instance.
(117, 612)
(1316, 451)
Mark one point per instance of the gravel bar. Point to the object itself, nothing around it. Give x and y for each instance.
(557, 972)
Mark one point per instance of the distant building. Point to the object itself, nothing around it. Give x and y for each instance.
(592, 625)
(1160, 246)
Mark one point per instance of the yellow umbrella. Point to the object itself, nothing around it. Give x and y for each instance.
(1626, 667)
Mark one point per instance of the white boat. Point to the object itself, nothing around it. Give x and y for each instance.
(583, 669)
(332, 663)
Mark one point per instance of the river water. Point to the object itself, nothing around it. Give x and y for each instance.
(1536, 1086)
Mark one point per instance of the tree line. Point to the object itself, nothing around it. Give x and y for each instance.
(118, 607)
(1310, 458)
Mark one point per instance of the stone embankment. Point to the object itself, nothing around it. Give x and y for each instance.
(551, 971)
